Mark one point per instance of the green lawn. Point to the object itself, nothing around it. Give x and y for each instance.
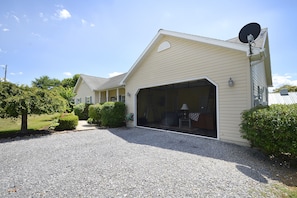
(35, 122)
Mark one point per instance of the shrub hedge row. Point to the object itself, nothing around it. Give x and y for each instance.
(273, 129)
(67, 122)
(113, 114)
(108, 114)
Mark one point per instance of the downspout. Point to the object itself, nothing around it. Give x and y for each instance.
(258, 56)
(252, 82)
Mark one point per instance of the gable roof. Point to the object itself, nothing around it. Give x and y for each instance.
(277, 98)
(91, 81)
(112, 82)
(98, 83)
(231, 44)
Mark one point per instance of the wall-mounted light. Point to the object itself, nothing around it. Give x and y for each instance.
(128, 94)
(231, 82)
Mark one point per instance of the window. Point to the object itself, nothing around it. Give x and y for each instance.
(122, 98)
(88, 100)
(78, 100)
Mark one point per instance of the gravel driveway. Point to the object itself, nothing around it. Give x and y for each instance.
(131, 163)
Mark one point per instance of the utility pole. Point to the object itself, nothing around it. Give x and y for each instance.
(5, 72)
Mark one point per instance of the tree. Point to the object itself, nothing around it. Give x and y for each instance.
(68, 94)
(70, 82)
(22, 101)
(290, 88)
(45, 82)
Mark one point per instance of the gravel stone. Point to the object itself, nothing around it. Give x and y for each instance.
(131, 163)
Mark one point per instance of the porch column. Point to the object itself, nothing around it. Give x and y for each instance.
(99, 96)
(106, 95)
(118, 96)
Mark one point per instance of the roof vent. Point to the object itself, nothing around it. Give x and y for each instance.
(284, 92)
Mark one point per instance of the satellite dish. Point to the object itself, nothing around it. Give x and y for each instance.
(249, 33)
(253, 29)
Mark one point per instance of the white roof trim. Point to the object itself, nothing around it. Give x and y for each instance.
(206, 40)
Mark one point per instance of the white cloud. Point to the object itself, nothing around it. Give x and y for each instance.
(59, 6)
(14, 74)
(114, 74)
(5, 30)
(67, 74)
(43, 17)
(63, 14)
(280, 80)
(83, 21)
(35, 35)
(2, 80)
(16, 18)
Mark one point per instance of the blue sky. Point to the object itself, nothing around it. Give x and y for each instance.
(105, 37)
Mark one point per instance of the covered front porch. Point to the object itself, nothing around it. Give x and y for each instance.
(110, 95)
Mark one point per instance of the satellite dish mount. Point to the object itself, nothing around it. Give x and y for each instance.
(249, 33)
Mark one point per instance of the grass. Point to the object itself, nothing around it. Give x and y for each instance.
(35, 122)
(284, 191)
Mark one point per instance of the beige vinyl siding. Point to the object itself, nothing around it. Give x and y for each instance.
(187, 60)
(84, 91)
(96, 97)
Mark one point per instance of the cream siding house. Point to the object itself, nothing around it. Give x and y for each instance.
(177, 69)
(85, 89)
(92, 90)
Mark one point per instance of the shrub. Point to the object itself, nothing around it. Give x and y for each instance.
(113, 114)
(90, 121)
(67, 122)
(82, 111)
(273, 129)
(94, 113)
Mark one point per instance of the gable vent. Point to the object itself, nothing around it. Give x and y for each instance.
(163, 46)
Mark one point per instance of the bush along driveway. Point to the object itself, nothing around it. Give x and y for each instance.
(132, 163)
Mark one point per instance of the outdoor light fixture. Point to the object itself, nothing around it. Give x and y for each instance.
(185, 108)
(231, 82)
(128, 94)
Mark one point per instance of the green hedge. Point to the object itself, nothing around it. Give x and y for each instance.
(82, 111)
(67, 122)
(273, 129)
(94, 113)
(113, 114)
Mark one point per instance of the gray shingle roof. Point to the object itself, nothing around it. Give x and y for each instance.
(277, 98)
(92, 81)
(112, 82)
(100, 84)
